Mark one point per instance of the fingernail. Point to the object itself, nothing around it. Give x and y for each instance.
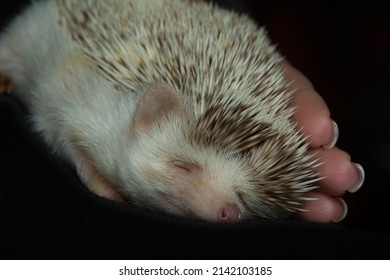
(335, 136)
(345, 210)
(362, 176)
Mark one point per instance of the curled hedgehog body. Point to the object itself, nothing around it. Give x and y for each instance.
(177, 106)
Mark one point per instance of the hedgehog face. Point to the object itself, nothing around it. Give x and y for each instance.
(171, 172)
(186, 180)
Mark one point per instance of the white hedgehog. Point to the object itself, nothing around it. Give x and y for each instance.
(177, 106)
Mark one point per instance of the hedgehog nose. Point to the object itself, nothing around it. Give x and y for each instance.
(229, 214)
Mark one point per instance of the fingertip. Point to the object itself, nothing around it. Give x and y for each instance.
(313, 117)
(324, 209)
(311, 112)
(339, 173)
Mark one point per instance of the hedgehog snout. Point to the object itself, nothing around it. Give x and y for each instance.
(229, 213)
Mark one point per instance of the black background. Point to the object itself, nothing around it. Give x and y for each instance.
(45, 212)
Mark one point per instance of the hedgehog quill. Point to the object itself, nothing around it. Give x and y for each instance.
(178, 106)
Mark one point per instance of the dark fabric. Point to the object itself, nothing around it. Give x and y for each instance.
(46, 212)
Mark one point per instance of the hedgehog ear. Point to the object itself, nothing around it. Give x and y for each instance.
(158, 102)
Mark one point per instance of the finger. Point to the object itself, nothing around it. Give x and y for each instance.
(313, 118)
(312, 113)
(340, 173)
(324, 209)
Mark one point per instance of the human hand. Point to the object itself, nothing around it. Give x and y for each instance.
(340, 174)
